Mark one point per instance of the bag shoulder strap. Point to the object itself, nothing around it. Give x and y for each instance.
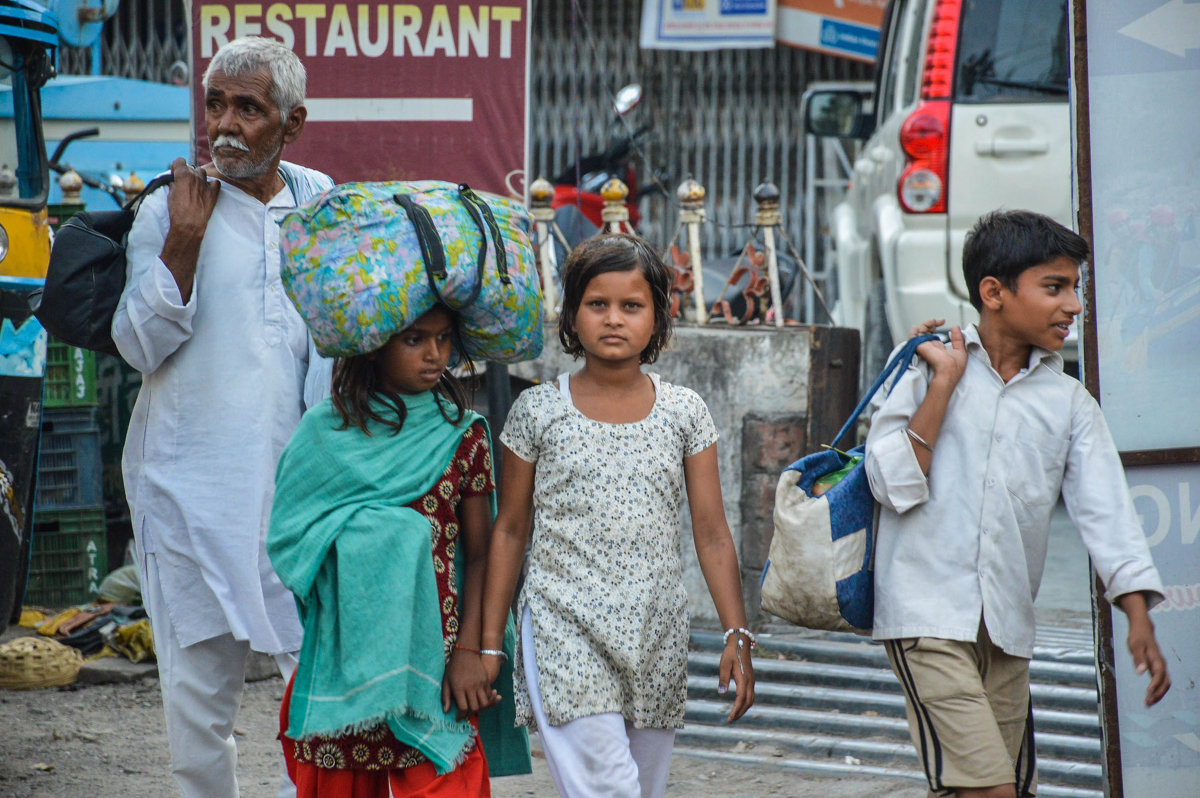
(151, 187)
(904, 356)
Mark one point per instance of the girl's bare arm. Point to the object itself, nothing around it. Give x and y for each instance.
(466, 683)
(506, 552)
(719, 563)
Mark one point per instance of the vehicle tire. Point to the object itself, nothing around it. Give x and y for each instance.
(877, 336)
(21, 580)
(9, 570)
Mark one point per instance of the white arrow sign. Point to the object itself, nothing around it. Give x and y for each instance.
(1174, 27)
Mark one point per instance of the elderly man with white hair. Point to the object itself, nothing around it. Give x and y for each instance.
(228, 367)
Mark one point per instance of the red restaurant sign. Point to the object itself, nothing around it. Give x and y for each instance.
(409, 91)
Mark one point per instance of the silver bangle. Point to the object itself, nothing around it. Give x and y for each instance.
(494, 652)
(918, 439)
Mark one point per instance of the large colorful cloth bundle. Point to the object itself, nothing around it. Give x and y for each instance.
(365, 260)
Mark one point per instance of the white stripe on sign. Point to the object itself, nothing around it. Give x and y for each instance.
(390, 109)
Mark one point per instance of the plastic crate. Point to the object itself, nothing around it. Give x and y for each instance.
(70, 470)
(69, 557)
(70, 376)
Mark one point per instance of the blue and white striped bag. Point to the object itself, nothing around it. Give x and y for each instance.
(820, 567)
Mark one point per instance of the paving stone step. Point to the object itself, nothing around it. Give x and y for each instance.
(828, 703)
(1046, 667)
(802, 721)
(1083, 723)
(1051, 696)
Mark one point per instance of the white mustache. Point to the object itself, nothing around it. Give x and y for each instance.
(231, 142)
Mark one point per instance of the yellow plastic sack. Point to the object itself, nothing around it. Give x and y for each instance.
(134, 640)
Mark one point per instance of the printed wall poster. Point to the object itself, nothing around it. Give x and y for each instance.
(708, 24)
(846, 28)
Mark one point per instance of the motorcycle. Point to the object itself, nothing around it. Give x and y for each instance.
(735, 285)
(578, 186)
(113, 187)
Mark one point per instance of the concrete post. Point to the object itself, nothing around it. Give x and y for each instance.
(615, 214)
(767, 218)
(541, 192)
(132, 186)
(691, 216)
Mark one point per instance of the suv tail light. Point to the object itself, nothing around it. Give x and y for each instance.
(925, 135)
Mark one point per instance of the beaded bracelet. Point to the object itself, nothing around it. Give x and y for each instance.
(494, 652)
(740, 630)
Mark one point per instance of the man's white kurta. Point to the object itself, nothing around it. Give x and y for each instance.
(223, 387)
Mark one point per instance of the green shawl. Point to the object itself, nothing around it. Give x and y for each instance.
(361, 566)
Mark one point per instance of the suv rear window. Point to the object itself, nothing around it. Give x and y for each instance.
(1012, 51)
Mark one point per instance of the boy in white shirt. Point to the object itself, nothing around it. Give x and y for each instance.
(968, 456)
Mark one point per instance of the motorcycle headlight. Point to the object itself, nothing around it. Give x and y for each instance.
(3, 243)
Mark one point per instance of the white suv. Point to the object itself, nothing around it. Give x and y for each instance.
(968, 114)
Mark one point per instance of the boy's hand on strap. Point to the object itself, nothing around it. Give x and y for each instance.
(926, 327)
(466, 684)
(1144, 647)
(948, 364)
(736, 665)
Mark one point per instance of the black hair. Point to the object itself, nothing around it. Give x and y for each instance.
(358, 391)
(1002, 244)
(615, 252)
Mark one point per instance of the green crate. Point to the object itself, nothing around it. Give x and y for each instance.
(69, 557)
(70, 376)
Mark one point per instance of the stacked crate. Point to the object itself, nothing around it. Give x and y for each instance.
(69, 555)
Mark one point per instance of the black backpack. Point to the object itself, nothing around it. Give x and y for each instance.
(86, 275)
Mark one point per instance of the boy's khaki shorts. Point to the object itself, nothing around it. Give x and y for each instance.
(969, 712)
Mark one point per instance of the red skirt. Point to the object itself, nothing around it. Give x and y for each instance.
(468, 780)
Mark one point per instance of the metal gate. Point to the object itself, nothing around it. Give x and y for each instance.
(144, 40)
(728, 118)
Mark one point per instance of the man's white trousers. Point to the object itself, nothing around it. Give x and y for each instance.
(201, 693)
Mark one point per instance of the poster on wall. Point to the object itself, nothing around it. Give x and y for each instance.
(1160, 745)
(1143, 74)
(423, 90)
(708, 24)
(846, 28)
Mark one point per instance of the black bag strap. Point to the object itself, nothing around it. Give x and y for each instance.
(481, 212)
(151, 187)
(434, 254)
(427, 237)
(904, 356)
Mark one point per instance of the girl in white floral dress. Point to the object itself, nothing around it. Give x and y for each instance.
(598, 461)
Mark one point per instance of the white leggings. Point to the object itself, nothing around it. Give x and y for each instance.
(598, 756)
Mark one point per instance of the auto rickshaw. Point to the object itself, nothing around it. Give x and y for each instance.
(28, 39)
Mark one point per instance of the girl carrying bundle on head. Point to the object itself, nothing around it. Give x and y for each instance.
(383, 507)
(597, 461)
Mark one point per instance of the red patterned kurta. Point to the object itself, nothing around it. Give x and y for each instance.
(469, 474)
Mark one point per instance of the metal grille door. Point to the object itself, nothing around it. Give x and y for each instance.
(729, 118)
